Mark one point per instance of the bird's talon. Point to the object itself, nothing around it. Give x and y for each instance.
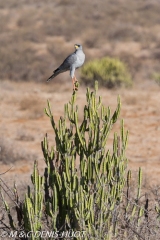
(76, 85)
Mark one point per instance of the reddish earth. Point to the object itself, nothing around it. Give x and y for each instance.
(23, 125)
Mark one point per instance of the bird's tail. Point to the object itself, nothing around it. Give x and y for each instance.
(55, 73)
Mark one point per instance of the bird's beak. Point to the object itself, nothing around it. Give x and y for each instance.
(76, 46)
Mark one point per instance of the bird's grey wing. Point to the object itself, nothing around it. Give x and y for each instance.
(68, 62)
(65, 66)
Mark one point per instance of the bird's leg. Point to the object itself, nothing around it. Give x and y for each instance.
(76, 79)
(76, 83)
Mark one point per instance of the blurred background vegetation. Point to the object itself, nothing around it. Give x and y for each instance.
(36, 35)
(110, 72)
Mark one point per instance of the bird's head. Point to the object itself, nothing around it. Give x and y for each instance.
(78, 46)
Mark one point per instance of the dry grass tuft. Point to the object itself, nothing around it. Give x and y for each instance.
(33, 105)
(9, 154)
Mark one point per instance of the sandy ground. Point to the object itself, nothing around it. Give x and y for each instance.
(23, 125)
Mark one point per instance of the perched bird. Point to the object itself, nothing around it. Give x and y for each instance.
(71, 63)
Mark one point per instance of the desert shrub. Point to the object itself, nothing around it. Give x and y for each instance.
(8, 154)
(156, 77)
(110, 72)
(86, 189)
